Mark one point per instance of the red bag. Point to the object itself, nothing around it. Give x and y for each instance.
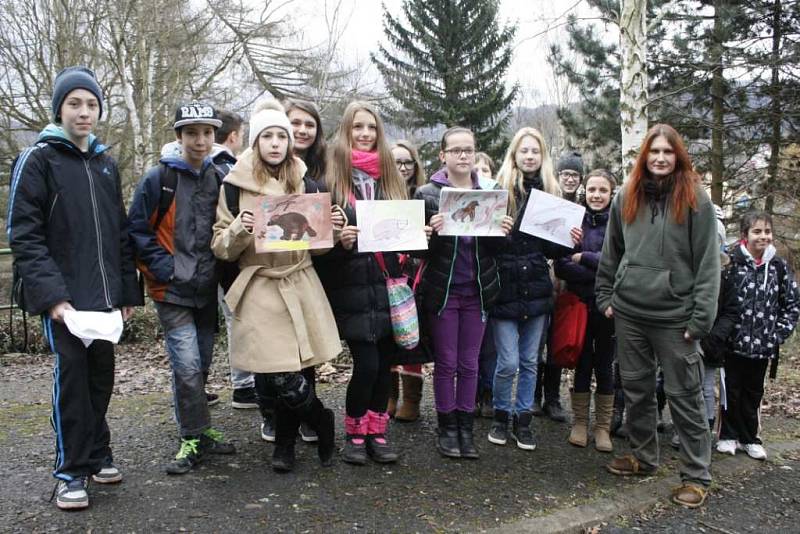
(569, 330)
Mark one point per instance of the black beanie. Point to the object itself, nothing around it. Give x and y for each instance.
(570, 161)
(72, 78)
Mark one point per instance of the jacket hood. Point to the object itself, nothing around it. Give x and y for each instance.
(54, 132)
(440, 177)
(221, 154)
(180, 164)
(742, 255)
(242, 173)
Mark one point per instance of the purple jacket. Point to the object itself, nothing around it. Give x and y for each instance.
(580, 276)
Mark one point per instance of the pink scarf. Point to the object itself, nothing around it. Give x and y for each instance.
(369, 162)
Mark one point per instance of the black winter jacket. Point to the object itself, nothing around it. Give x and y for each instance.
(525, 287)
(442, 252)
(717, 343)
(356, 287)
(67, 227)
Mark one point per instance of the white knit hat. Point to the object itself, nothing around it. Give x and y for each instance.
(268, 113)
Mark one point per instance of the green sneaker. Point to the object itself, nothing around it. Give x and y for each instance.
(213, 441)
(188, 456)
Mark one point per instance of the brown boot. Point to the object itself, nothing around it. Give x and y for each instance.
(412, 395)
(394, 394)
(579, 436)
(603, 411)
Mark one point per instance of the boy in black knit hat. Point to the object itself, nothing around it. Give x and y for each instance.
(72, 255)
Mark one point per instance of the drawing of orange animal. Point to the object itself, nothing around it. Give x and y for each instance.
(467, 211)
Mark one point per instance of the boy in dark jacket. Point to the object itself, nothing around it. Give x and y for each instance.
(173, 247)
(69, 235)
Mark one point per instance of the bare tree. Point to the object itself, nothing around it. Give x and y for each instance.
(633, 79)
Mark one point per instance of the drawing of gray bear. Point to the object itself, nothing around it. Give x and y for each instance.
(388, 228)
(294, 225)
(552, 225)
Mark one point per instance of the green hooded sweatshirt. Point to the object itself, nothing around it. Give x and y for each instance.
(662, 272)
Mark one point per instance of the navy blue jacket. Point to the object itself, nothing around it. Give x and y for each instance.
(580, 276)
(525, 286)
(67, 227)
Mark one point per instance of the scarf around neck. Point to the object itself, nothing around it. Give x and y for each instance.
(369, 162)
(656, 193)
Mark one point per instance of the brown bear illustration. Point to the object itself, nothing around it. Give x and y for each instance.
(466, 211)
(294, 225)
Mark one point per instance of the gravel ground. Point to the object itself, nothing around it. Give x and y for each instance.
(421, 493)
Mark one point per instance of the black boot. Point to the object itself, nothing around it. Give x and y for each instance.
(447, 435)
(286, 425)
(521, 431)
(322, 421)
(466, 441)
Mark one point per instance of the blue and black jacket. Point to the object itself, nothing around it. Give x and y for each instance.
(67, 228)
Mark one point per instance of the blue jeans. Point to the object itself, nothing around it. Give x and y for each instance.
(517, 344)
(487, 361)
(239, 379)
(189, 336)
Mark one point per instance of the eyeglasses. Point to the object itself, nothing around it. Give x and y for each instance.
(570, 174)
(458, 152)
(404, 163)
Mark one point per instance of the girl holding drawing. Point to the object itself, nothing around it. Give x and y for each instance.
(459, 285)
(360, 167)
(411, 171)
(277, 289)
(520, 315)
(578, 271)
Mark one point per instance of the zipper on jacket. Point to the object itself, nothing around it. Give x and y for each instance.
(52, 208)
(480, 286)
(450, 276)
(98, 233)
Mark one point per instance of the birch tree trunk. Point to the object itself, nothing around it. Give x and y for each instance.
(633, 79)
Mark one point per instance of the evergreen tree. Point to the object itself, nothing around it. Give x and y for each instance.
(445, 65)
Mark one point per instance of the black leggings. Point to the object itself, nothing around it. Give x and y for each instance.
(371, 381)
(597, 355)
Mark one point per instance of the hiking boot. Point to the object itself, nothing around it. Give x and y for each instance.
(555, 412)
(73, 494)
(628, 465)
(466, 438)
(268, 429)
(408, 411)
(603, 411)
(579, 435)
(378, 447)
(307, 433)
(244, 398)
(447, 442)
(188, 456)
(355, 448)
(108, 474)
(521, 430)
(498, 434)
(213, 441)
(212, 398)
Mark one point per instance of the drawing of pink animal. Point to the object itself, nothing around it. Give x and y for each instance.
(294, 225)
(388, 228)
(467, 211)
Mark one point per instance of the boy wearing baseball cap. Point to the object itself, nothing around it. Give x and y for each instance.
(68, 231)
(171, 218)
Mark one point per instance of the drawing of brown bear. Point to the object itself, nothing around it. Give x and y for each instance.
(466, 211)
(294, 226)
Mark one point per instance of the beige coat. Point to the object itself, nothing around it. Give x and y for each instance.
(282, 320)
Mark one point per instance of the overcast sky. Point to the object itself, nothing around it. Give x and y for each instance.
(538, 25)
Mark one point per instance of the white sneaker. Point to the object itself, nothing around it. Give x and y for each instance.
(72, 495)
(727, 446)
(755, 451)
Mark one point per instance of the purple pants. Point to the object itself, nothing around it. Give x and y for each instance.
(457, 335)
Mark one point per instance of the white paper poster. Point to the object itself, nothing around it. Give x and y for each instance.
(473, 211)
(550, 217)
(391, 225)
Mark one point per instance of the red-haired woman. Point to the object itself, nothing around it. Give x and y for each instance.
(659, 279)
